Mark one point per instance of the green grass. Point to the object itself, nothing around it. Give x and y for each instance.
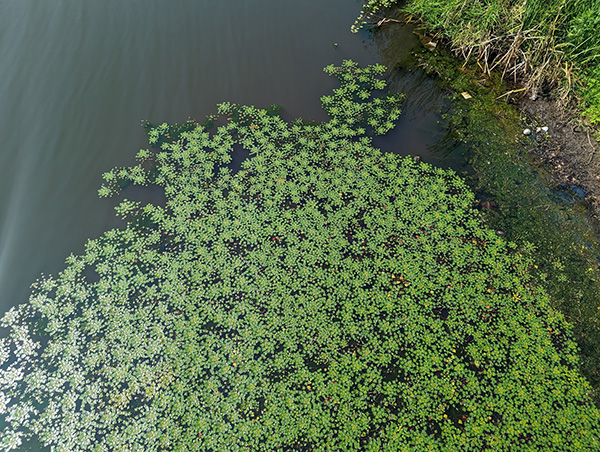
(590, 95)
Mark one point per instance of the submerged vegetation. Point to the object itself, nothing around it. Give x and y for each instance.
(538, 43)
(547, 218)
(326, 296)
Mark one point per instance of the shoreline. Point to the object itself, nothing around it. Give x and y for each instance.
(568, 150)
(527, 187)
(571, 148)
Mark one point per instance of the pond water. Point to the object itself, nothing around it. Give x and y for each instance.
(78, 77)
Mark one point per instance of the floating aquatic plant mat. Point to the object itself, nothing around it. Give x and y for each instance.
(326, 296)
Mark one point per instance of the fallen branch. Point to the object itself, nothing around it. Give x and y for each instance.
(512, 91)
(385, 21)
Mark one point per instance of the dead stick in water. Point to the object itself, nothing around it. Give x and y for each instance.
(385, 21)
(512, 91)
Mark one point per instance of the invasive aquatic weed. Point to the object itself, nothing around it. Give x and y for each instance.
(525, 203)
(327, 296)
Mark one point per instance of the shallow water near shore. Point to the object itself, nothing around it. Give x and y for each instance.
(520, 197)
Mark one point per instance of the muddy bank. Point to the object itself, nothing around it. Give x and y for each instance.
(569, 150)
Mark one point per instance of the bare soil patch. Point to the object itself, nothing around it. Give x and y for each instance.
(568, 149)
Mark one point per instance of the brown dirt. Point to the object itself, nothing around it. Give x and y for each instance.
(569, 149)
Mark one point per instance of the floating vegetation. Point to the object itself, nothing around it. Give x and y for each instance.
(326, 296)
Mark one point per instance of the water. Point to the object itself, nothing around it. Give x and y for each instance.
(77, 77)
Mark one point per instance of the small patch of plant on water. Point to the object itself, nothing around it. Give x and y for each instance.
(327, 296)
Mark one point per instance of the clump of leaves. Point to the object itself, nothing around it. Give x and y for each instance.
(326, 296)
(359, 105)
(369, 8)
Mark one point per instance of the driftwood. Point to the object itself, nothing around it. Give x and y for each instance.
(385, 21)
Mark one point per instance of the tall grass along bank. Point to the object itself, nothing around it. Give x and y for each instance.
(543, 45)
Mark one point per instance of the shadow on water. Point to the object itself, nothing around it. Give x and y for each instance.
(422, 129)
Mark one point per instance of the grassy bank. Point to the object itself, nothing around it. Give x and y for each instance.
(543, 46)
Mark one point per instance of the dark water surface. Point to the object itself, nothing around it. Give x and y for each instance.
(78, 76)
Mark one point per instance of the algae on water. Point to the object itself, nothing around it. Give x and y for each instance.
(326, 296)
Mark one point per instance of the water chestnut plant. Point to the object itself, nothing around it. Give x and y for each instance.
(325, 296)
